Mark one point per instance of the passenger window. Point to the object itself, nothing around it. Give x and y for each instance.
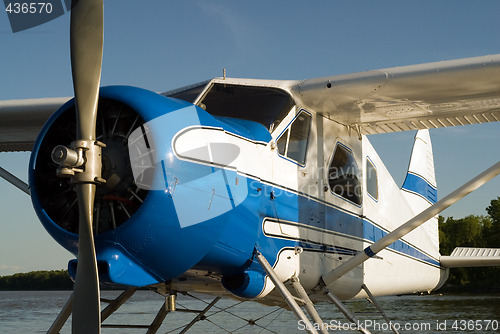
(343, 175)
(371, 179)
(293, 142)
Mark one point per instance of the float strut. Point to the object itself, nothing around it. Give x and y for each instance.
(379, 308)
(308, 304)
(116, 303)
(63, 316)
(290, 300)
(348, 314)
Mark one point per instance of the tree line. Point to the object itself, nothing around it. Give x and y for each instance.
(37, 280)
(471, 231)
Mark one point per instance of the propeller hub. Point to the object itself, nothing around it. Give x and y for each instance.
(67, 157)
(82, 162)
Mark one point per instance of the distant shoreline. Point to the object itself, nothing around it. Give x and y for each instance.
(57, 280)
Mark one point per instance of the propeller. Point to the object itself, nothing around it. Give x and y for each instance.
(82, 162)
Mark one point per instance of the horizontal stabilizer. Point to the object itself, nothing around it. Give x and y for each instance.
(471, 257)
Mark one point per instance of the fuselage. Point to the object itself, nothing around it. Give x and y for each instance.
(246, 168)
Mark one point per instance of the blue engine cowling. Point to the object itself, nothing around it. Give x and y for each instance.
(140, 236)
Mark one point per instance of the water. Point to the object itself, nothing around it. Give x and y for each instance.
(34, 311)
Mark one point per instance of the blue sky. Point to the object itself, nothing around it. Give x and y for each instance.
(161, 45)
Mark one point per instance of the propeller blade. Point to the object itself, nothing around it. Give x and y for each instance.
(86, 60)
(86, 302)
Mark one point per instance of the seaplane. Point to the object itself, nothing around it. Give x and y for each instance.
(260, 190)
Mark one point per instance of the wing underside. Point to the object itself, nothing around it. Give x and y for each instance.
(426, 96)
(22, 120)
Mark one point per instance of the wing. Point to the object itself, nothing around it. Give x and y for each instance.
(22, 120)
(433, 95)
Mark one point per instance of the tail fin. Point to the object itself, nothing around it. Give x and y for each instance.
(419, 188)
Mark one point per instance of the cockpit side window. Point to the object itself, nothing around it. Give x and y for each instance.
(343, 175)
(265, 105)
(293, 141)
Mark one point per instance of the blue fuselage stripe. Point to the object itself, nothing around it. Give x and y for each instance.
(315, 216)
(373, 233)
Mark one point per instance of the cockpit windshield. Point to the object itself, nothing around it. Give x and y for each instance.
(265, 105)
(189, 93)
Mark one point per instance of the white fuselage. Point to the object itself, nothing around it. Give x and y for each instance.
(340, 225)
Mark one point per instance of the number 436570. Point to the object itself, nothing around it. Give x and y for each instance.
(29, 8)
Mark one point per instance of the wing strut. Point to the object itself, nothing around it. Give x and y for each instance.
(410, 225)
(14, 180)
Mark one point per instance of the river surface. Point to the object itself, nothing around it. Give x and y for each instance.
(34, 311)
